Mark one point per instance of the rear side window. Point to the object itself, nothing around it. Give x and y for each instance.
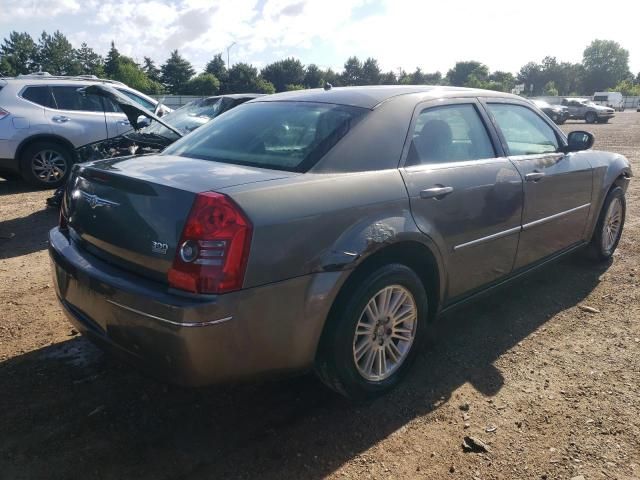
(289, 136)
(524, 131)
(40, 95)
(448, 134)
(69, 98)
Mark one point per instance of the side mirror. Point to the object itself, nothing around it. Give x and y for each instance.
(579, 140)
(143, 121)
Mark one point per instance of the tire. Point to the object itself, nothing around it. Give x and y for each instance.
(590, 117)
(602, 244)
(46, 164)
(336, 362)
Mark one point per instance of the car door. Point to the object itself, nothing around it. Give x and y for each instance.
(77, 117)
(557, 186)
(463, 192)
(117, 122)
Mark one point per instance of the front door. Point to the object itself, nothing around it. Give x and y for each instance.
(557, 186)
(464, 194)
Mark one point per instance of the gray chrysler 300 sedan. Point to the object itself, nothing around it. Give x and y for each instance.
(324, 229)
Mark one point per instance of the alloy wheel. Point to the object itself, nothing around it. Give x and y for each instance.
(385, 333)
(611, 225)
(48, 166)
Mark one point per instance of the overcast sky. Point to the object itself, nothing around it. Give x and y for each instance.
(401, 33)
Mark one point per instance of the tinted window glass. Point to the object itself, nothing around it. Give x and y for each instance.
(40, 95)
(447, 134)
(145, 103)
(281, 135)
(69, 98)
(524, 131)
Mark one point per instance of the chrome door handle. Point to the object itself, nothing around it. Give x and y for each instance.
(60, 119)
(533, 176)
(435, 192)
(124, 123)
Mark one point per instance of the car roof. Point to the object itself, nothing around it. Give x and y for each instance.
(371, 96)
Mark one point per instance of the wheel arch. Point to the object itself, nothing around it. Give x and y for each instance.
(44, 137)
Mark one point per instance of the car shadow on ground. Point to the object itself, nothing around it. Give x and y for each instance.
(69, 409)
(24, 235)
(14, 185)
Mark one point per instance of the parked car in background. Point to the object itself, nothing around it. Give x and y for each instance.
(585, 109)
(43, 119)
(558, 113)
(154, 133)
(613, 100)
(307, 230)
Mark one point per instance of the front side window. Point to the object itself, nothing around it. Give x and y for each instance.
(289, 136)
(447, 134)
(523, 130)
(138, 99)
(70, 98)
(40, 95)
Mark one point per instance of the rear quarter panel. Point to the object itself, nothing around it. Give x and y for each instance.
(323, 222)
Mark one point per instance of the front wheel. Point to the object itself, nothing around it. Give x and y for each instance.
(590, 117)
(610, 224)
(371, 339)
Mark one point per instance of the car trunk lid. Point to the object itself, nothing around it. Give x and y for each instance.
(131, 211)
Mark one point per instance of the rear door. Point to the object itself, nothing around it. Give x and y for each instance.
(463, 192)
(78, 118)
(557, 187)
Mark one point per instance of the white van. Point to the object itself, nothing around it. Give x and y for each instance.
(613, 100)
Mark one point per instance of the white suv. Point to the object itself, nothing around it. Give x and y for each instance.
(43, 119)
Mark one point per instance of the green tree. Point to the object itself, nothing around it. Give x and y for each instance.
(130, 73)
(151, 71)
(204, 84)
(56, 55)
(627, 88)
(550, 89)
(111, 61)
(19, 54)
(332, 77)
(289, 71)
(501, 81)
(292, 87)
(370, 72)
(217, 68)
(388, 78)
(89, 62)
(531, 76)
(313, 76)
(460, 73)
(352, 73)
(606, 64)
(244, 78)
(176, 72)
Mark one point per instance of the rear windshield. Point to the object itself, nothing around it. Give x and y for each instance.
(289, 136)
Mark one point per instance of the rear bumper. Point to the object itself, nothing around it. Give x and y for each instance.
(191, 341)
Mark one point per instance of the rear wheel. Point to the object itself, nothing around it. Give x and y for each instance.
(610, 224)
(590, 117)
(45, 164)
(371, 339)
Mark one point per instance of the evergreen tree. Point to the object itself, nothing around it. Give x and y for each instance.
(352, 73)
(89, 62)
(176, 72)
(56, 55)
(18, 54)
(217, 68)
(371, 72)
(111, 62)
(150, 69)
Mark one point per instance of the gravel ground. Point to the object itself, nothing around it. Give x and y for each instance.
(551, 389)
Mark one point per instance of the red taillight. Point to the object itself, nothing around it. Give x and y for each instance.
(3, 113)
(214, 247)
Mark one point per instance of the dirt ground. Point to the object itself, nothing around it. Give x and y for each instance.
(553, 390)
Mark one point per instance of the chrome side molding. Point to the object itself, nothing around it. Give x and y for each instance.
(170, 322)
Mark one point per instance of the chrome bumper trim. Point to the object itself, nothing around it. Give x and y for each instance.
(170, 322)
